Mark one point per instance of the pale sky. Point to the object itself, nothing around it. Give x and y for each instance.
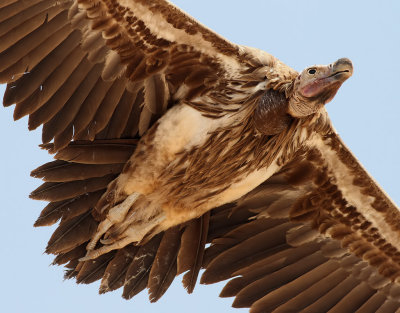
(365, 112)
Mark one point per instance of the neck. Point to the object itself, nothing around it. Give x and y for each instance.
(300, 107)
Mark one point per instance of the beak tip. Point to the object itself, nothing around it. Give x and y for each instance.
(343, 64)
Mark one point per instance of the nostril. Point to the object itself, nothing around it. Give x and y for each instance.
(343, 61)
(343, 65)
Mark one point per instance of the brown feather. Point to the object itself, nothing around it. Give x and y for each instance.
(247, 252)
(164, 267)
(138, 272)
(199, 76)
(67, 190)
(61, 171)
(60, 98)
(55, 32)
(293, 288)
(190, 257)
(90, 105)
(73, 10)
(27, 105)
(354, 299)
(115, 151)
(98, 55)
(313, 293)
(373, 303)
(108, 105)
(69, 256)
(93, 270)
(6, 3)
(224, 221)
(31, 42)
(390, 306)
(71, 272)
(67, 114)
(256, 290)
(239, 234)
(121, 115)
(62, 139)
(68, 209)
(183, 59)
(32, 81)
(326, 302)
(156, 94)
(29, 25)
(15, 8)
(55, 80)
(301, 235)
(114, 275)
(92, 41)
(113, 67)
(72, 233)
(267, 266)
(88, 133)
(145, 120)
(132, 125)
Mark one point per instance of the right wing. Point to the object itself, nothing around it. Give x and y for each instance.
(97, 79)
(322, 237)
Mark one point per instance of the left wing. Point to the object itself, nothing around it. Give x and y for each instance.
(323, 236)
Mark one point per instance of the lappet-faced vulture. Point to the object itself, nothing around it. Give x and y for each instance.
(177, 150)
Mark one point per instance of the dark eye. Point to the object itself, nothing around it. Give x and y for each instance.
(312, 71)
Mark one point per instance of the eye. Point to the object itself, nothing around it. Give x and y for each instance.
(312, 71)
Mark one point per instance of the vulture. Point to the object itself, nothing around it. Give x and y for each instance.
(176, 150)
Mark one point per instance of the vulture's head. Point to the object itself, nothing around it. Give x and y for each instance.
(317, 85)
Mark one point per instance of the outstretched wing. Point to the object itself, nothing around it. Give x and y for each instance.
(324, 238)
(317, 235)
(105, 69)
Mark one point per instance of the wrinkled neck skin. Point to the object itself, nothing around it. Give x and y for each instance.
(316, 86)
(300, 106)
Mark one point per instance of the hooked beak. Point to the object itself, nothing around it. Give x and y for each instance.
(342, 69)
(330, 80)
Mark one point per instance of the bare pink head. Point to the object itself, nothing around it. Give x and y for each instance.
(317, 85)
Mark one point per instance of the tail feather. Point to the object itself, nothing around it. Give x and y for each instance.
(114, 276)
(139, 270)
(93, 270)
(191, 253)
(72, 233)
(164, 268)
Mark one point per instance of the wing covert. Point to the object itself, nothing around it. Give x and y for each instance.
(91, 69)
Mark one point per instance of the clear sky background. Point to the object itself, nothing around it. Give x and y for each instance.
(365, 112)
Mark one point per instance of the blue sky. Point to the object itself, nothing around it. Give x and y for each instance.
(301, 33)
